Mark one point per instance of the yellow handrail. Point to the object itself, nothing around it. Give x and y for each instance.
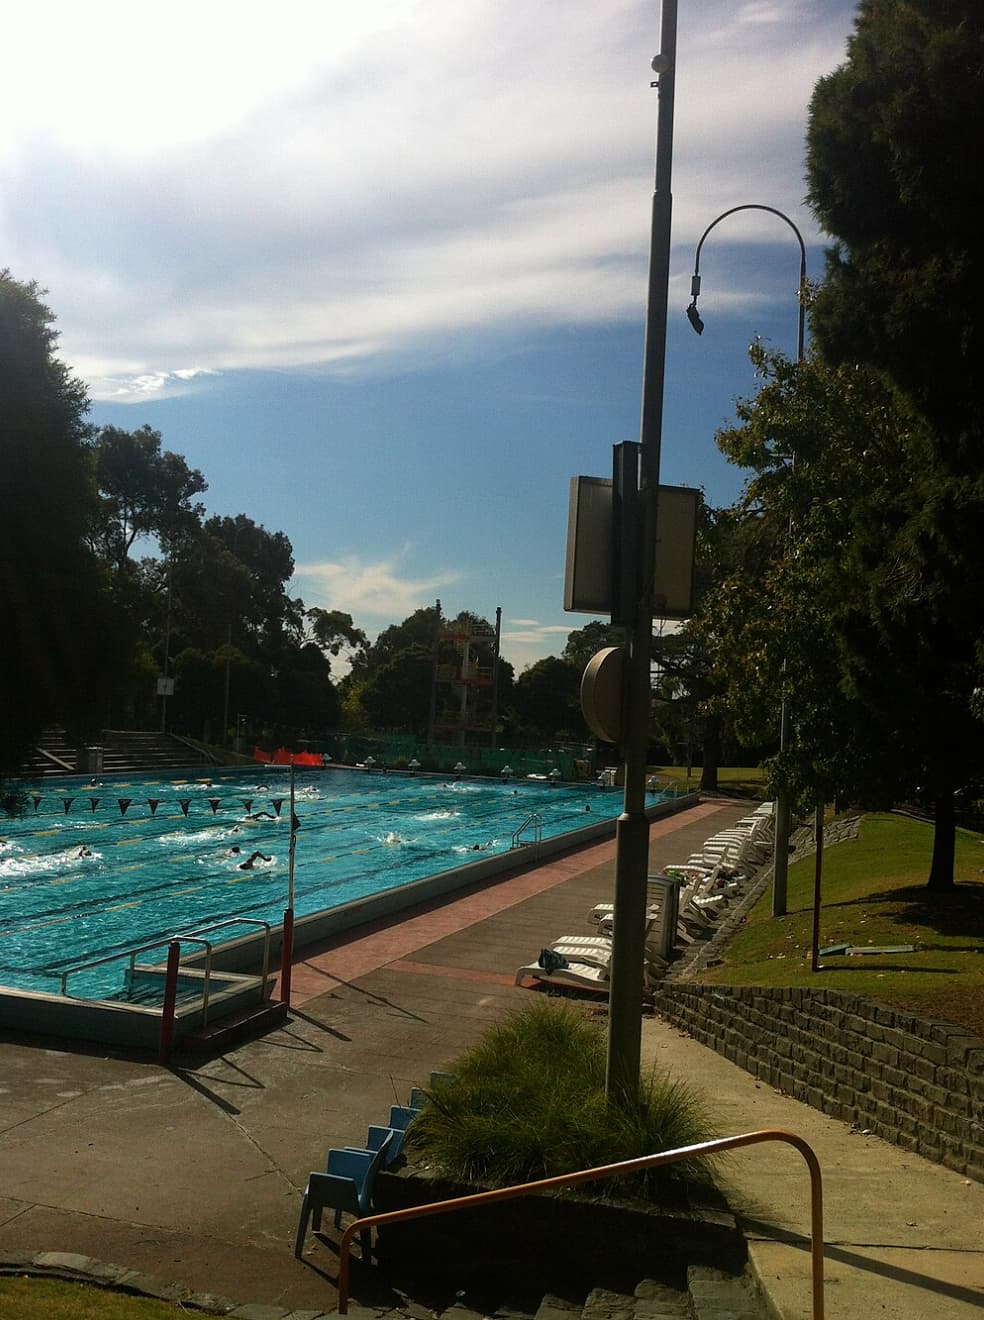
(609, 1171)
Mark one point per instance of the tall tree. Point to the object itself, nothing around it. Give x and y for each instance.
(62, 638)
(585, 642)
(546, 700)
(893, 156)
(334, 631)
(850, 622)
(145, 491)
(893, 153)
(268, 557)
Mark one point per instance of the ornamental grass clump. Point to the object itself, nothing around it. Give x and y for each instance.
(528, 1101)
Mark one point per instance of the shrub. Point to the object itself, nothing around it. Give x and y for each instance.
(528, 1101)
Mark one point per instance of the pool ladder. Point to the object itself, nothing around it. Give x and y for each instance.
(534, 822)
(185, 937)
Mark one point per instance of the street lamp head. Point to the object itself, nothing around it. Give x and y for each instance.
(693, 316)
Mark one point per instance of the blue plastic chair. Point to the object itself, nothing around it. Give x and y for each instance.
(345, 1187)
(402, 1115)
(375, 1138)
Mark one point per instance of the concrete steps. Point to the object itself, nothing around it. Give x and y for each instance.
(710, 1294)
(122, 752)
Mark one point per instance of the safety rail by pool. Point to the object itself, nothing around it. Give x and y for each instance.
(116, 957)
(173, 967)
(704, 1148)
(535, 821)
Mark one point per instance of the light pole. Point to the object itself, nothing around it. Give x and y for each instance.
(781, 855)
(632, 831)
(167, 653)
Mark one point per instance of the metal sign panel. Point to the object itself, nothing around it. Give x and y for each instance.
(588, 580)
(676, 552)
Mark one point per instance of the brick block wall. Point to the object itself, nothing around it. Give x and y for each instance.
(917, 1083)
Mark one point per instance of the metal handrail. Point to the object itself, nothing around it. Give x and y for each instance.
(703, 1148)
(144, 948)
(240, 921)
(534, 819)
(115, 957)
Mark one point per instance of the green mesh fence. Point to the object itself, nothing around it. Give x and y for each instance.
(397, 753)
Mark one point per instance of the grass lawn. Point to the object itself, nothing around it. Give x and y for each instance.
(54, 1299)
(743, 781)
(874, 892)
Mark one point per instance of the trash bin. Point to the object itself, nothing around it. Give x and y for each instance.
(666, 890)
(92, 757)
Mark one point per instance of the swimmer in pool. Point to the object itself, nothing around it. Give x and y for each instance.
(84, 851)
(250, 861)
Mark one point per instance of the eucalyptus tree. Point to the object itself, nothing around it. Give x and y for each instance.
(847, 623)
(893, 160)
(145, 492)
(334, 631)
(894, 146)
(63, 640)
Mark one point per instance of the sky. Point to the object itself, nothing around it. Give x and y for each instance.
(379, 270)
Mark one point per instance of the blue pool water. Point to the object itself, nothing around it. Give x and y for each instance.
(162, 863)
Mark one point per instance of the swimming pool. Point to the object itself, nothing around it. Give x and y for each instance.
(94, 869)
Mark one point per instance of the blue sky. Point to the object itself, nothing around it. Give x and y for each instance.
(379, 269)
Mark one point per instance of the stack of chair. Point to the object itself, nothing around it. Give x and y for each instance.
(346, 1184)
(708, 881)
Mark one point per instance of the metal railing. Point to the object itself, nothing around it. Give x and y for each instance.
(704, 1148)
(115, 957)
(188, 937)
(220, 925)
(534, 820)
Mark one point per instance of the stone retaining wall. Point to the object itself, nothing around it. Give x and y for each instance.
(917, 1083)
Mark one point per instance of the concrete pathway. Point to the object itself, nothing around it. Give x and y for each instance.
(194, 1175)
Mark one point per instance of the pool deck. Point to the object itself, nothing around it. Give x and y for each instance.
(193, 1176)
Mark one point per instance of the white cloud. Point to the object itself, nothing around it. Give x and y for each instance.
(368, 590)
(140, 388)
(356, 184)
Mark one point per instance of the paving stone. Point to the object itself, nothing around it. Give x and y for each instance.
(603, 1304)
(12, 1262)
(461, 1312)
(356, 1311)
(70, 1262)
(660, 1301)
(254, 1312)
(557, 1308)
(149, 1286)
(720, 1296)
(213, 1303)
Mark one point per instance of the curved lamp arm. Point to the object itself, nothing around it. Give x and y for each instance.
(693, 315)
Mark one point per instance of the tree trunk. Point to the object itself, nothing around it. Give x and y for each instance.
(712, 754)
(944, 844)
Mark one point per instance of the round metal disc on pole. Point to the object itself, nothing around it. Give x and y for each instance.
(601, 693)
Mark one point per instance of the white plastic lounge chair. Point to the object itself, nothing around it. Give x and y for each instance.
(597, 951)
(579, 975)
